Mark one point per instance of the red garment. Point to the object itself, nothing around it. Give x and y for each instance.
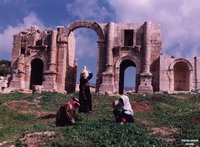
(66, 113)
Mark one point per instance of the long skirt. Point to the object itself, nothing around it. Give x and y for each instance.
(122, 117)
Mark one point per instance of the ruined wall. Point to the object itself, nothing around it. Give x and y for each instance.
(32, 45)
(136, 44)
(165, 74)
(178, 74)
(123, 51)
(197, 74)
(129, 44)
(52, 54)
(28, 45)
(71, 71)
(156, 46)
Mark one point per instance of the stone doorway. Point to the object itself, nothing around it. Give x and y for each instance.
(181, 77)
(36, 72)
(123, 66)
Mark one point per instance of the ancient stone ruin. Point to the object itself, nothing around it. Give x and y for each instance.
(47, 58)
(3, 83)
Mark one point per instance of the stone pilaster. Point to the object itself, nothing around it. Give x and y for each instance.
(50, 74)
(108, 76)
(146, 77)
(61, 61)
(49, 83)
(53, 51)
(107, 84)
(101, 63)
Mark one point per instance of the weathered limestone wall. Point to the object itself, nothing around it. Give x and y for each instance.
(71, 71)
(165, 75)
(191, 71)
(197, 74)
(28, 45)
(119, 47)
(178, 74)
(121, 52)
(32, 44)
(140, 51)
(156, 47)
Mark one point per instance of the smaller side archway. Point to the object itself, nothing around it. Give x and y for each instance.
(121, 65)
(37, 67)
(181, 75)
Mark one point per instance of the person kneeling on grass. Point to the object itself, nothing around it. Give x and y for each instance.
(66, 114)
(126, 114)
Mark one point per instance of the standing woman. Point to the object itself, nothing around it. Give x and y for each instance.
(85, 97)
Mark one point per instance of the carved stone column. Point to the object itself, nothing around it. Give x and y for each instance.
(147, 48)
(50, 74)
(146, 76)
(53, 51)
(100, 63)
(108, 76)
(110, 46)
(62, 58)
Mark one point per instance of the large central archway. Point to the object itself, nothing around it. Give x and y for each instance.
(101, 61)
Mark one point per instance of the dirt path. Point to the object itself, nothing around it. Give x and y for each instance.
(24, 106)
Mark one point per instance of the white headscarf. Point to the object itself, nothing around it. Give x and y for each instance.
(127, 106)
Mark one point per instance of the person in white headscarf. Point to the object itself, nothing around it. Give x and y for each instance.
(126, 114)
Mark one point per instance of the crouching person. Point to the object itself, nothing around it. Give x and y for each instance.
(66, 114)
(126, 113)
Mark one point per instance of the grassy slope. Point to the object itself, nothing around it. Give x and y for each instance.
(99, 128)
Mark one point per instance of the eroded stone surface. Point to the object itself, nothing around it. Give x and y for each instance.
(47, 58)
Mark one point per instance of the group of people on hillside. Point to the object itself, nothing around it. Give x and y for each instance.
(66, 114)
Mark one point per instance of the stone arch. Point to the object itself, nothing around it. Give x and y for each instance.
(120, 60)
(171, 67)
(181, 70)
(121, 65)
(37, 70)
(101, 63)
(86, 24)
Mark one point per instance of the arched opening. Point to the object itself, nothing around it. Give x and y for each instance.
(181, 76)
(86, 52)
(99, 63)
(127, 76)
(36, 72)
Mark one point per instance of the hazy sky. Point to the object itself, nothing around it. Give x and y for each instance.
(179, 19)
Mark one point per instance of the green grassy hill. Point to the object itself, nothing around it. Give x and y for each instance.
(160, 120)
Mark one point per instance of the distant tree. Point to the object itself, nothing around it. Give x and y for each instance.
(5, 67)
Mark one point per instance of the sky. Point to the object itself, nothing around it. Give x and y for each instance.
(179, 19)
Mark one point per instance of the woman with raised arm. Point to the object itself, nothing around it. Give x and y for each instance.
(85, 97)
